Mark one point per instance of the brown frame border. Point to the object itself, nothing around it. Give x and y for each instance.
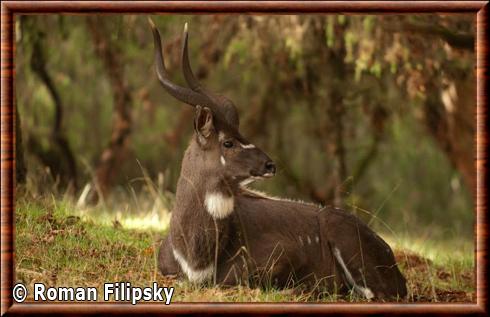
(10, 8)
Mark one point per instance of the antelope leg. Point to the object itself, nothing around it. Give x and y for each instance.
(166, 260)
(363, 291)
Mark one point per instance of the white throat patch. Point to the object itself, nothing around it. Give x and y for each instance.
(195, 276)
(218, 205)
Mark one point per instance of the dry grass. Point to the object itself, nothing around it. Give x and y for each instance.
(60, 244)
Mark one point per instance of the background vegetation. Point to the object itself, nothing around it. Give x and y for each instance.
(371, 113)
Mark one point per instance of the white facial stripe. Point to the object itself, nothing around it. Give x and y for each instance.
(364, 291)
(196, 276)
(221, 136)
(247, 146)
(222, 159)
(218, 205)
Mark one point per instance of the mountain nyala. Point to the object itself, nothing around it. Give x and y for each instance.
(221, 232)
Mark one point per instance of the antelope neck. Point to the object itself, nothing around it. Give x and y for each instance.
(214, 194)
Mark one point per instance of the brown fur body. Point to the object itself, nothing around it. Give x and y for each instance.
(222, 232)
(281, 243)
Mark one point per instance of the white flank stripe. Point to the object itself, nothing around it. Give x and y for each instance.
(218, 205)
(195, 276)
(366, 292)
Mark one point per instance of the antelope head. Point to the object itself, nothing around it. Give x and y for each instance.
(222, 149)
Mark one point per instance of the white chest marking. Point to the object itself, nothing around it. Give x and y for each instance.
(195, 276)
(218, 205)
(364, 291)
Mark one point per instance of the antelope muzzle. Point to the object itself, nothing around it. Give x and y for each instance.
(266, 167)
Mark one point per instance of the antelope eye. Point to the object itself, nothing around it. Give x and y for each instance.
(228, 144)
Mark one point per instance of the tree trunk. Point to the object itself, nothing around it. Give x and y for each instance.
(67, 172)
(20, 167)
(449, 118)
(116, 151)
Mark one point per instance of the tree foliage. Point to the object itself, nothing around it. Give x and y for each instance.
(373, 113)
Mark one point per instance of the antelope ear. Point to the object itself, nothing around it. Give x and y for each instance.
(203, 124)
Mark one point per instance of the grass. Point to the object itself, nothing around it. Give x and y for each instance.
(60, 244)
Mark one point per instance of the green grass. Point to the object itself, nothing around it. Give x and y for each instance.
(57, 247)
(60, 244)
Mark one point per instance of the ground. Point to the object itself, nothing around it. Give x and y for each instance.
(59, 246)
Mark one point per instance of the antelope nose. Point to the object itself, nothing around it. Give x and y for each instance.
(270, 167)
